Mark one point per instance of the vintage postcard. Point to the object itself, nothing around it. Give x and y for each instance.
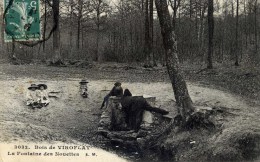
(130, 80)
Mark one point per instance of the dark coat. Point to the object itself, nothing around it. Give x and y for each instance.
(134, 107)
(116, 91)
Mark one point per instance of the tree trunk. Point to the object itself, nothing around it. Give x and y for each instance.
(179, 86)
(201, 30)
(44, 25)
(175, 8)
(147, 34)
(80, 3)
(236, 54)
(13, 48)
(56, 33)
(142, 5)
(211, 32)
(196, 20)
(232, 34)
(98, 55)
(71, 30)
(256, 42)
(246, 25)
(78, 32)
(151, 33)
(82, 38)
(97, 45)
(190, 48)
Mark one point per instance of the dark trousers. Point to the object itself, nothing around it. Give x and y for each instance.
(105, 101)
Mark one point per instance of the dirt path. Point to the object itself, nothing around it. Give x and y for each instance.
(71, 118)
(75, 117)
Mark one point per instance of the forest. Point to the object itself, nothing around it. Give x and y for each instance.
(179, 79)
(129, 31)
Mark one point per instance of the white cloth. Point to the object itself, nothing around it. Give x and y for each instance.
(42, 96)
(31, 97)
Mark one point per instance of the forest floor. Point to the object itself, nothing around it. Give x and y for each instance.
(71, 118)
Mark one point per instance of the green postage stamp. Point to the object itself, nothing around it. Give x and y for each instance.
(22, 20)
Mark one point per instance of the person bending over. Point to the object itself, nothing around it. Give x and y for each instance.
(134, 106)
(117, 91)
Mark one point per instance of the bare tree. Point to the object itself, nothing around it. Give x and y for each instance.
(211, 32)
(151, 32)
(45, 24)
(179, 86)
(56, 33)
(100, 7)
(174, 5)
(80, 9)
(148, 48)
(256, 41)
(147, 33)
(236, 49)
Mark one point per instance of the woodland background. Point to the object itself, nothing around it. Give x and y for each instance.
(129, 31)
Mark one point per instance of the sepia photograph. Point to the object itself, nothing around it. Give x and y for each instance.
(130, 81)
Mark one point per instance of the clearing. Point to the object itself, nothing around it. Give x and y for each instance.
(71, 118)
